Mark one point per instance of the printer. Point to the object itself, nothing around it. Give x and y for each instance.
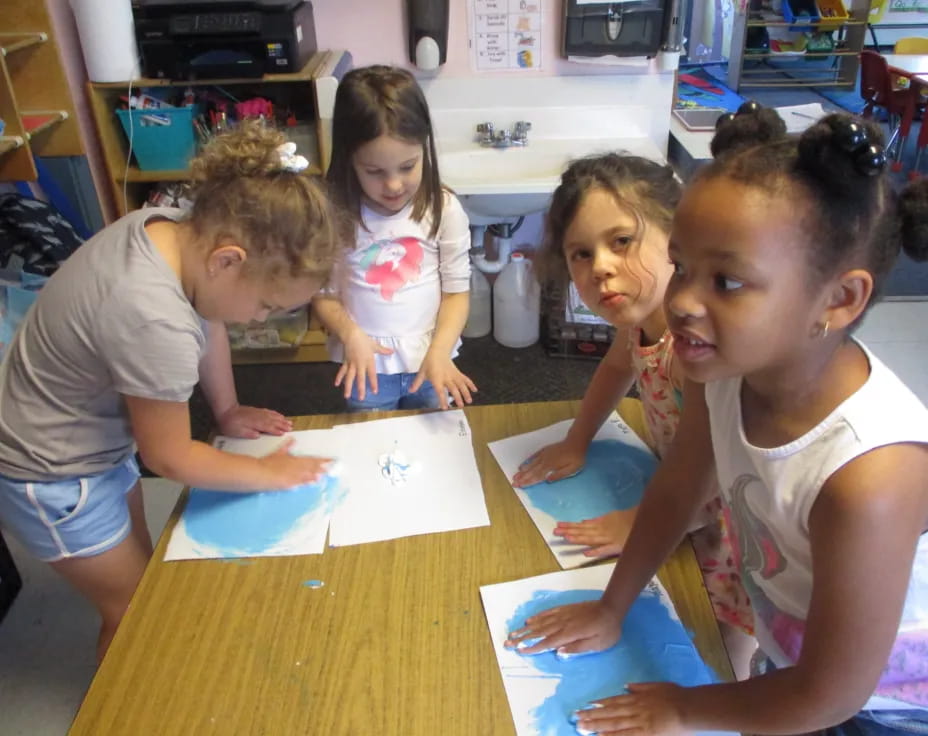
(223, 39)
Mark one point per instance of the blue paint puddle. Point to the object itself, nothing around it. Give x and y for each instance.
(654, 648)
(245, 524)
(613, 478)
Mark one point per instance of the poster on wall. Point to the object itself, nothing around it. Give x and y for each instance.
(505, 35)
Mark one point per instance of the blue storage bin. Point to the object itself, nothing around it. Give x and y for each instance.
(162, 138)
(792, 9)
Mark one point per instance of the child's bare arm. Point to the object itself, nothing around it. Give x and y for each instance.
(613, 377)
(218, 386)
(863, 530)
(162, 431)
(683, 482)
(437, 365)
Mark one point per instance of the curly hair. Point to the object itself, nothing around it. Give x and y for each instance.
(284, 220)
(847, 207)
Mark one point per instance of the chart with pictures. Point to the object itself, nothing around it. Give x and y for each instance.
(506, 34)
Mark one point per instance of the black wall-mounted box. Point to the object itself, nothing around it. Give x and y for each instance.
(633, 28)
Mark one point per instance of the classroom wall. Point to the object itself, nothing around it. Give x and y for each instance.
(382, 39)
(69, 50)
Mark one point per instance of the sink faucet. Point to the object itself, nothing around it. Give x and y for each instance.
(520, 132)
(487, 135)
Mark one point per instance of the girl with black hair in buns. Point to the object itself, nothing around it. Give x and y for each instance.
(779, 248)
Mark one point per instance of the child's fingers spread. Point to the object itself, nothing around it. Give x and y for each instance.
(604, 550)
(340, 376)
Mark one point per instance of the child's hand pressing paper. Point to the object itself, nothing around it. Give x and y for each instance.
(553, 462)
(579, 627)
(604, 536)
(287, 471)
(250, 422)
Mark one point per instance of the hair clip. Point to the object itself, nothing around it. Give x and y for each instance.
(852, 138)
(290, 160)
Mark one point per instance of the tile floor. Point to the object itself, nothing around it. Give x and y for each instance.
(47, 639)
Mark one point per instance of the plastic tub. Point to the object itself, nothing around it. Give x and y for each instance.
(161, 139)
(833, 14)
(803, 11)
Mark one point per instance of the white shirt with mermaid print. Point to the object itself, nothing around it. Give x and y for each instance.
(768, 494)
(391, 282)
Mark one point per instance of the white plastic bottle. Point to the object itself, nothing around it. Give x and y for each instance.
(516, 304)
(479, 319)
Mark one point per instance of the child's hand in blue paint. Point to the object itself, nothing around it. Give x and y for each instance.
(552, 462)
(249, 422)
(590, 626)
(604, 536)
(287, 471)
(652, 708)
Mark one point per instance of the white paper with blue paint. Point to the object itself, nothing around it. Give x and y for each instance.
(442, 493)
(617, 469)
(225, 525)
(544, 690)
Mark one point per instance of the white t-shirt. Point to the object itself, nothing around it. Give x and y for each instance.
(112, 320)
(768, 494)
(391, 282)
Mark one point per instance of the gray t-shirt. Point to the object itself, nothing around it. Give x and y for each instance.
(112, 320)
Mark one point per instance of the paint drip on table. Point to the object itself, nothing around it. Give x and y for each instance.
(654, 648)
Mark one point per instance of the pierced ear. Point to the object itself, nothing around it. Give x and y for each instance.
(225, 256)
(848, 298)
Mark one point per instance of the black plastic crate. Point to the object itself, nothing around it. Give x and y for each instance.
(564, 337)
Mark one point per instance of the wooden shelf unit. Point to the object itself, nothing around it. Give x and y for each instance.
(747, 68)
(35, 101)
(129, 184)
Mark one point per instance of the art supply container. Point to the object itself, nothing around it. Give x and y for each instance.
(479, 318)
(161, 139)
(516, 304)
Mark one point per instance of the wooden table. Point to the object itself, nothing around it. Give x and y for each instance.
(395, 642)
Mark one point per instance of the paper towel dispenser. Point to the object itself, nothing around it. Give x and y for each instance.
(630, 28)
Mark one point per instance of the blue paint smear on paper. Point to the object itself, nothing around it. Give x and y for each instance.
(613, 477)
(654, 648)
(253, 523)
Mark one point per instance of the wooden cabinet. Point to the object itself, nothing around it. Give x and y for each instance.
(751, 67)
(35, 102)
(311, 89)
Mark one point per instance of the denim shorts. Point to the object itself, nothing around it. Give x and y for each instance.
(75, 517)
(393, 393)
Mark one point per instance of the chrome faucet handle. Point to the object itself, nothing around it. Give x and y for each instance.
(485, 128)
(520, 130)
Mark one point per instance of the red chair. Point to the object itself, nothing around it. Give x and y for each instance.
(878, 89)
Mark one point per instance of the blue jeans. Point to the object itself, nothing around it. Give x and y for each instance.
(393, 393)
(882, 723)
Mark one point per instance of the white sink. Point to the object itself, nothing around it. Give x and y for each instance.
(571, 116)
(495, 183)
